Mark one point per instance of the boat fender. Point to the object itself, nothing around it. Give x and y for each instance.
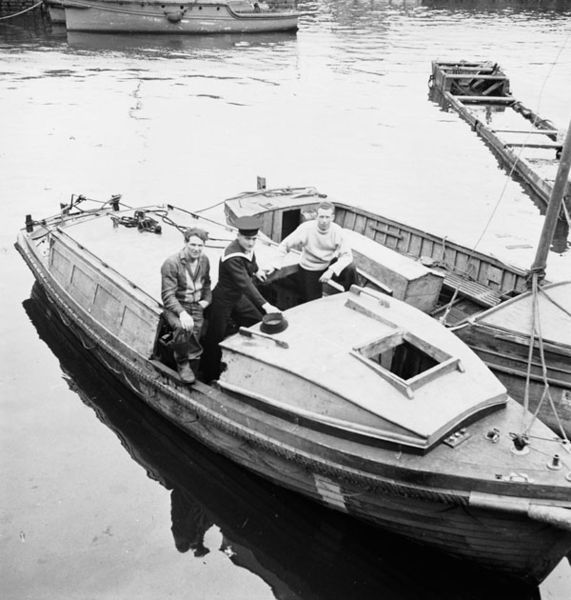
(174, 17)
(553, 515)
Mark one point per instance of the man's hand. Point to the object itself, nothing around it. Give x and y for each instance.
(186, 321)
(263, 274)
(270, 308)
(326, 276)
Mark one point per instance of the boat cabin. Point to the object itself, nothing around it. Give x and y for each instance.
(380, 267)
(362, 365)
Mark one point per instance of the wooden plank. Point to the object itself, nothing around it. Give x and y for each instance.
(554, 145)
(527, 131)
(476, 76)
(486, 99)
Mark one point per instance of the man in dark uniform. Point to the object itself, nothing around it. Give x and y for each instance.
(235, 296)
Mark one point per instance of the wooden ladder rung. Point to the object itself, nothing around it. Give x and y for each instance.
(532, 131)
(475, 76)
(554, 145)
(487, 99)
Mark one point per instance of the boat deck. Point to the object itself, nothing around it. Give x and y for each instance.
(122, 248)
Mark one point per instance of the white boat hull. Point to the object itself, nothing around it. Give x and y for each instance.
(181, 17)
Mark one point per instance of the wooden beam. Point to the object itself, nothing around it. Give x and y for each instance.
(526, 131)
(554, 145)
(475, 76)
(487, 99)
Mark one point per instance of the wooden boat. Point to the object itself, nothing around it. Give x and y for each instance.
(451, 282)
(56, 11)
(204, 16)
(363, 403)
(524, 141)
(265, 529)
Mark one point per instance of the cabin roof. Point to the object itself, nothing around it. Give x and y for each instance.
(323, 339)
(515, 315)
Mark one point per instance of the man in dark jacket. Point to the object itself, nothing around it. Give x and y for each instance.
(235, 296)
(185, 291)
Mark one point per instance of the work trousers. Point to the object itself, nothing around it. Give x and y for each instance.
(186, 344)
(221, 314)
(311, 288)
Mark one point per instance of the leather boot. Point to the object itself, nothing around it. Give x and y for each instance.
(185, 372)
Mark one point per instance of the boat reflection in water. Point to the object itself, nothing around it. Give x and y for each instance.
(298, 548)
(166, 44)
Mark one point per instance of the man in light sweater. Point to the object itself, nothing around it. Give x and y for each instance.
(325, 253)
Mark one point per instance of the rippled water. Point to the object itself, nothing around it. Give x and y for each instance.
(342, 105)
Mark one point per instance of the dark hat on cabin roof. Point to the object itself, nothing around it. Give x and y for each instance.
(248, 225)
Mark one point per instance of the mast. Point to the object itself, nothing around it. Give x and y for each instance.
(553, 209)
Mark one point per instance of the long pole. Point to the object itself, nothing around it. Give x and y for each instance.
(553, 209)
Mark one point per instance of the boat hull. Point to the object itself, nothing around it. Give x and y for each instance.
(56, 12)
(508, 360)
(181, 17)
(311, 464)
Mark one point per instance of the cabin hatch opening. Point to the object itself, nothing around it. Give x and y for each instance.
(400, 355)
(406, 360)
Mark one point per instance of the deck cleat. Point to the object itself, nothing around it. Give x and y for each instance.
(555, 463)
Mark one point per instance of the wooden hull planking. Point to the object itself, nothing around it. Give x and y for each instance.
(481, 278)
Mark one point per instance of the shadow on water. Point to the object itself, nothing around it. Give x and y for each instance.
(166, 44)
(298, 548)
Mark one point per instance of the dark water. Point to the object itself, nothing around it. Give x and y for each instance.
(96, 493)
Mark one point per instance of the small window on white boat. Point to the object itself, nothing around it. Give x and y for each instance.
(406, 360)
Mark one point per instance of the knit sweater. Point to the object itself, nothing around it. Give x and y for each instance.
(318, 248)
(180, 286)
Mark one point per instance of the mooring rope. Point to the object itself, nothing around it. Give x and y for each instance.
(21, 12)
(536, 329)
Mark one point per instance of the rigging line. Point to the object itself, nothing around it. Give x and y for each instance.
(530, 354)
(536, 328)
(547, 391)
(518, 155)
(561, 308)
(22, 11)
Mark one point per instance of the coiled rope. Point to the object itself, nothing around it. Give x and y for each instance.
(21, 12)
